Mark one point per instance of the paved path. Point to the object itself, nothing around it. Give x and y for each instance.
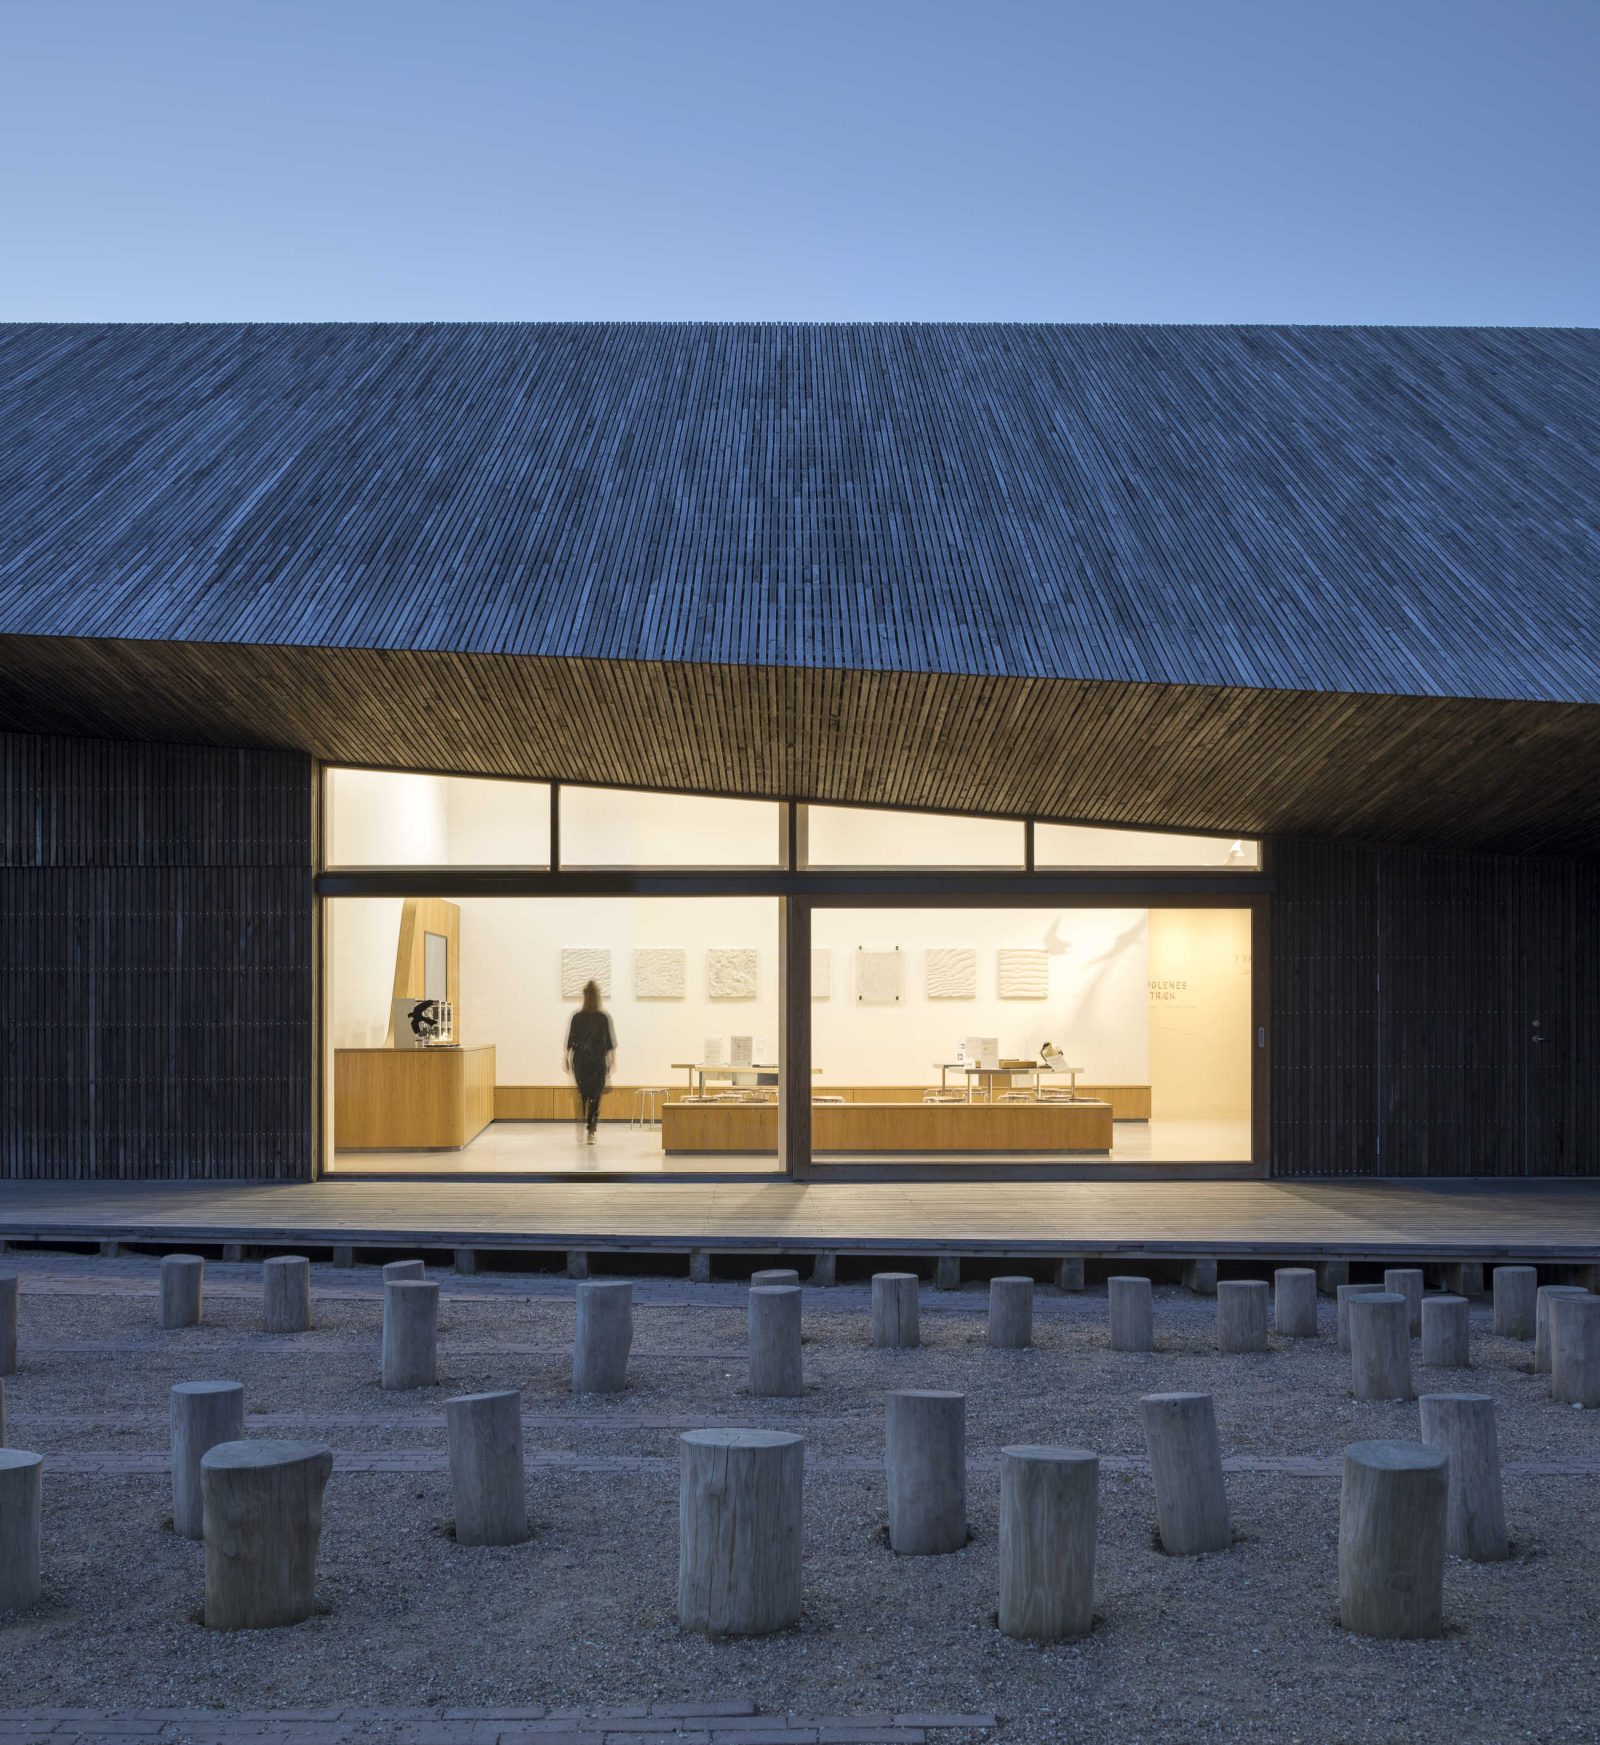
(691, 1723)
(1467, 1219)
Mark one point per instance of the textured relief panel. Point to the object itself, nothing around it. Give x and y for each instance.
(880, 977)
(731, 973)
(1024, 975)
(821, 973)
(584, 963)
(950, 972)
(660, 972)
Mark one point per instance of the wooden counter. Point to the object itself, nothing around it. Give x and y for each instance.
(411, 1099)
(914, 1128)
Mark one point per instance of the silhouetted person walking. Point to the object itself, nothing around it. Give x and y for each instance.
(591, 1047)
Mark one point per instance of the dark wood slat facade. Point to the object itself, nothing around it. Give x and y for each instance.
(156, 928)
(1433, 1014)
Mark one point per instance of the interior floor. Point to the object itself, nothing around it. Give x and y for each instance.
(557, 1148)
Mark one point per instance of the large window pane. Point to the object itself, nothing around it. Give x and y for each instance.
(858, 836)
(385, 818)
(625, 827)
(1081, 845)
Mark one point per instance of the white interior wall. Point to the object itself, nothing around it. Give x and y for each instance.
(1097, 1009)
(363, 940)
(385, 818)
(1072, 845)
(511, 979)
(860, 836)
(612, 827)
(1200, 1012)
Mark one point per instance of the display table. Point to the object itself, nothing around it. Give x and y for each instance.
(411, 1099)
(914, 1128)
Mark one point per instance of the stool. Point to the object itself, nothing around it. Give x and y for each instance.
(647, 1102)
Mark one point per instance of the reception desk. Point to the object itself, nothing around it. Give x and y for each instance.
(411, 1099)
(913, 1128)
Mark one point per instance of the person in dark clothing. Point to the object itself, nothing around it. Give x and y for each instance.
(591, 1047)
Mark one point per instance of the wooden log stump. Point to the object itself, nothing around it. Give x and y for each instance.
(1445, 1343)
(1514, 1288)
(1380, 1347)
(1049, 1511)
(774, 1323)
(1463, 1426)
(204, 1414)
(8, 1323)
(740, 1501)
(604, 1336)
(1010, 1313)
(1575, 1350)
(263, 1520)
(894, 1310)
(1131, 1313)
(1544, 1298)
(181, 1291)
(410, 1334)
(487, 1481)
(286, 1293)
(774, 1275)
(1294, 1302)
(1406, 1281)
(1331, 1274)
(396, 1271)
(1200, 1276)
(925, 1459)
(1180, 1435)
(1393, 1503)
(2, 1413)
(1242, 1315)
(1344, 1294)
(21, 1534)
(1464, 1278)
(1069, 1273)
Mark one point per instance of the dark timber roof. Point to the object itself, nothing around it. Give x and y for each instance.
(1171, 560)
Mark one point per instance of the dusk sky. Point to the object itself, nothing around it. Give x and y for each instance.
(1128, 160)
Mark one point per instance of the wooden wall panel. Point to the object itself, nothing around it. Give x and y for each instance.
(1433, 1014)
(156, 927)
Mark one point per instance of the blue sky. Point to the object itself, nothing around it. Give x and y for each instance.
(1129, 160)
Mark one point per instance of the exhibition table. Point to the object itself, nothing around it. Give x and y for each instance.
(1049, 1127)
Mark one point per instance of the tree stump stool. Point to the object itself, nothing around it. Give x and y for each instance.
(1463, 1426)
(286, 1294)
(204, 1413)
(1180, 1436)
(1294, 1302)
(487, 1480)
(1010, 1313)
(1407, 1282)
(895, 1321)
(925, 1461)
(1543, 1299)
(1392, 1507)
(1242, 1315)
(774, 1275)
(1131, 1313)
(21, 1529)
(740, 1503)
(1049, 1509)
(1514, 1288)
(263, 1519)
(1343, 1294)
(8, 1323)
(1445, 1342)
(410, 1334)
(774, 1324)
(395, 1271)
(603, 1337)
(1575, 1350)
(182, 1287)
(1380, 1347)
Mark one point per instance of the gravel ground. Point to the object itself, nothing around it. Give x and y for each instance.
(1239, 1646)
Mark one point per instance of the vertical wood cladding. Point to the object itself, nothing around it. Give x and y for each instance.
(155, 924)
(1433, 1014)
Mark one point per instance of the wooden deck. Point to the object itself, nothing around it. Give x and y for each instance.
(1550, 1220)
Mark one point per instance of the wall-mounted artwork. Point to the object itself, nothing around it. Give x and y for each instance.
(821, 973)
(950, 972)
(660, 972)
(1024, 974)
(880, 977)
(584, 963)
(731, 973)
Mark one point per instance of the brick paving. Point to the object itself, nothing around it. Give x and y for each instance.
(713, 1722)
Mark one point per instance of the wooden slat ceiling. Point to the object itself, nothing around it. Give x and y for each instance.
(1463, 773)
(1270, 579)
